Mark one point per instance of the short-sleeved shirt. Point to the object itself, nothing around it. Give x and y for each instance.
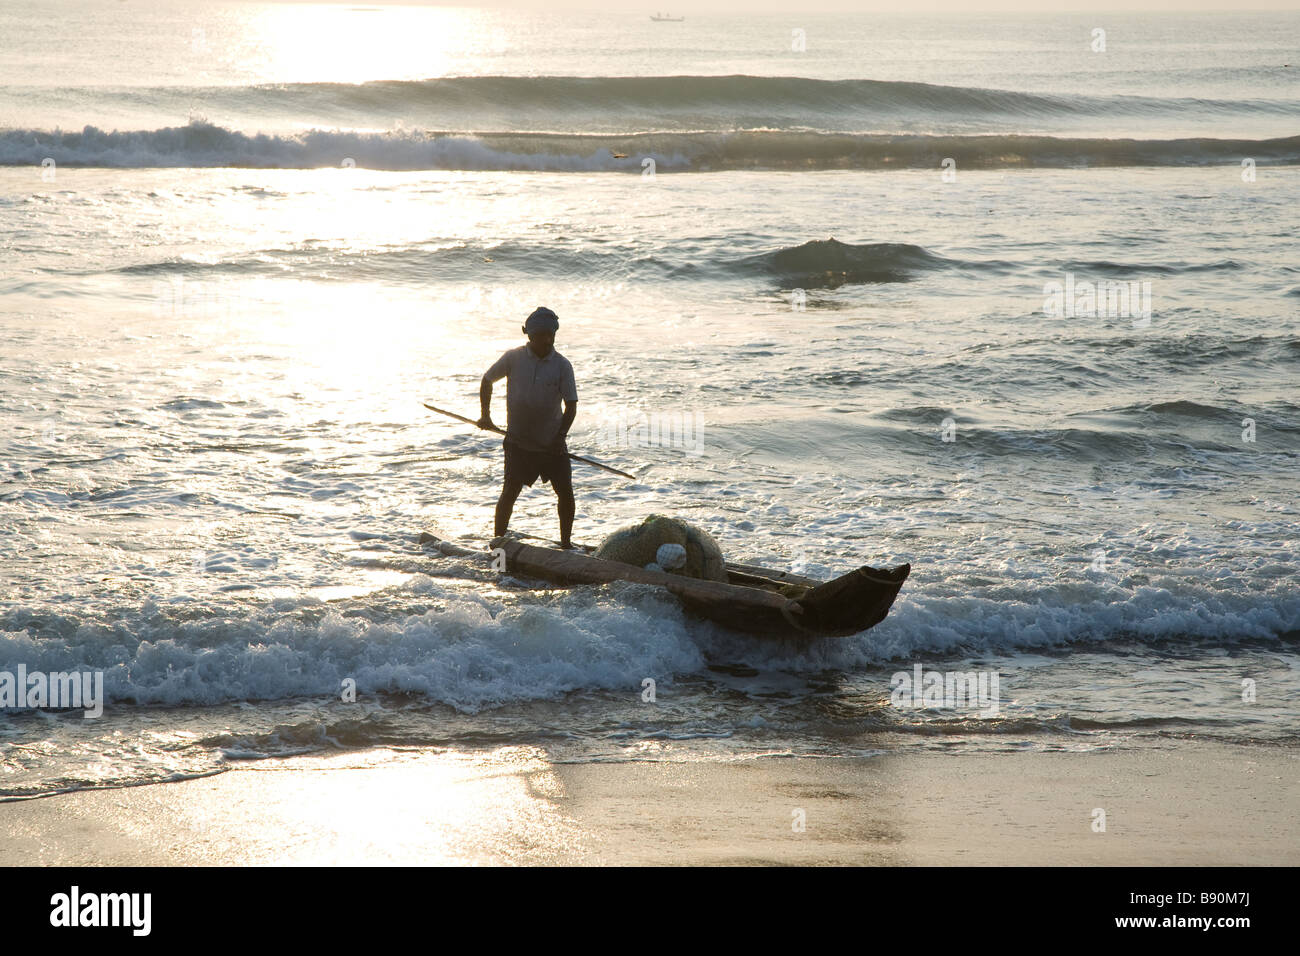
(534, 388)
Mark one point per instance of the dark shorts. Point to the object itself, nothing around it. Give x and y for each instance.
(525, 466)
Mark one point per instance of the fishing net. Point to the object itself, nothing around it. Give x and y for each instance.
(642, 544)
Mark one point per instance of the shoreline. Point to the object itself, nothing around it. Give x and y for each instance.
(1198, 804)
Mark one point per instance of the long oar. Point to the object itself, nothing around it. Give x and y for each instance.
(470, 421)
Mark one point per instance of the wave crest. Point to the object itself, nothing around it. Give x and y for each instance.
(203, 144)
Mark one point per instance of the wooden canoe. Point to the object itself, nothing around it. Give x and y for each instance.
(754, 600)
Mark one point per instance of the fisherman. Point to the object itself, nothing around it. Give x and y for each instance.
(537, 378)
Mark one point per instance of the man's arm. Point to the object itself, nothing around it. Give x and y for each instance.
(498, 371)
(570, 413)
(485, 403)
(569, 393)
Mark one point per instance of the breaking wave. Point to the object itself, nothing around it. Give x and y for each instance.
(201, 144)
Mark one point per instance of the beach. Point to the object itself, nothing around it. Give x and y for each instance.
(1198, 805)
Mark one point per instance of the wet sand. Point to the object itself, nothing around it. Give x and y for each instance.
(1188, 803)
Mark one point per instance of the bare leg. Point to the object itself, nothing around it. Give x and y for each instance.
(506, 505)
(566, 506)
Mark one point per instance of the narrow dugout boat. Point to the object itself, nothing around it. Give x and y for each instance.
(754, 600)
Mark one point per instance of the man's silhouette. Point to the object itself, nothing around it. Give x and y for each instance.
(537, 378)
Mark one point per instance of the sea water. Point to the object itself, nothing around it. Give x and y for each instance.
(981, 294)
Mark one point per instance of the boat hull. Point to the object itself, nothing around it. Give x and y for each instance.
(778, 606)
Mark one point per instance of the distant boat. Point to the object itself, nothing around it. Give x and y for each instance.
(665, 18)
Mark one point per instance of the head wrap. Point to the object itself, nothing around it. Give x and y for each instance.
(542, 320)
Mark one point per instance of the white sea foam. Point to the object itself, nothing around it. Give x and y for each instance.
(472, 656)
(203, 144)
